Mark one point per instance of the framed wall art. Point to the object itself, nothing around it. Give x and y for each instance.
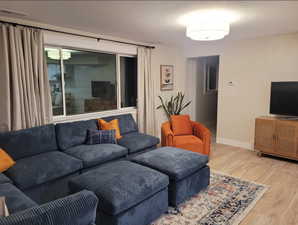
(166, 77)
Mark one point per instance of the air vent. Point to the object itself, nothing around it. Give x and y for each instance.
(12, 12)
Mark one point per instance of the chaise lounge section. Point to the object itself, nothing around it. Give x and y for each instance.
(130, 194)
(40, 165)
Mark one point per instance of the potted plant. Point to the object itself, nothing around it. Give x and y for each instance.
(174, 106)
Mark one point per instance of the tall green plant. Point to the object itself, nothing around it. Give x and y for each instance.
(174, 106)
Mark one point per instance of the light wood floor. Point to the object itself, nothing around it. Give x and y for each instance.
(279, 205)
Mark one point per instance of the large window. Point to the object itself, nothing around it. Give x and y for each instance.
(85, 82)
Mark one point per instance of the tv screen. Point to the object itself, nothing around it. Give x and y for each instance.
(284, 98)
(103, 89)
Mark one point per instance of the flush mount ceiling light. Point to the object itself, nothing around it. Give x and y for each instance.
(206, 31)
(207, 25)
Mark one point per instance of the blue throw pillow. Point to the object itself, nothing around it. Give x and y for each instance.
(101, 137)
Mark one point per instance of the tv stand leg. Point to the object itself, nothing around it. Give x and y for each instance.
(260, 154)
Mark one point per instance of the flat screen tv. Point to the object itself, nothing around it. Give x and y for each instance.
(103, 89)
(284, 98)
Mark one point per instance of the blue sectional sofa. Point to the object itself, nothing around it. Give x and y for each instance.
(134, 184)
(54, 161)
(47, 157)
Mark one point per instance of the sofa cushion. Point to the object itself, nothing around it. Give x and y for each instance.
(101, 137)
(42, 168)
(74, 133)
(4, 179)
(137, 141)
(181, 125)
(112, 125)
(176, 163)
(127, 123)
(186, 139)
(120, 185)
(24, 143)
(188, 142)
(15, 199)
(93, 155)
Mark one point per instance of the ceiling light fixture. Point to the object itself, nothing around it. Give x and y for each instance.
(207, 31)
(207, 25)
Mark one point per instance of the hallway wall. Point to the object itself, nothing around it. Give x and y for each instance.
(204, 105)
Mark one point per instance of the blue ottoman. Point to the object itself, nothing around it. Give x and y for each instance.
(188, 171)
(128, 193)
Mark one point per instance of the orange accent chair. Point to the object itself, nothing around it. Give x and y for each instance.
(199, 141)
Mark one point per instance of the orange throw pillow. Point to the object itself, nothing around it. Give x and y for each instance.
(181, 125)
(5, 161)
(112, 125)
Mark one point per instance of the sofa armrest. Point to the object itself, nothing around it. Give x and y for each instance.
(4, 179)
(167, 135)
(204, 134)
(78, 209)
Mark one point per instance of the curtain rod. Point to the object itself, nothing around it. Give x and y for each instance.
(80, 35)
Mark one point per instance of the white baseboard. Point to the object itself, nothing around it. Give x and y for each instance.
(235, 143)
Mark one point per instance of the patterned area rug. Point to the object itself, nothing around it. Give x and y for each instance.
(226, 201)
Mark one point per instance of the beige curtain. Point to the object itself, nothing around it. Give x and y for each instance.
(25, 99)
(146, 93)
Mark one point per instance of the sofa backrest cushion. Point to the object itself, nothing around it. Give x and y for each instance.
(28, 142)
(181, 125)
(74, 133)
(127, 123)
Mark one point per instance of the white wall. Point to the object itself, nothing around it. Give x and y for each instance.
(191, 81)
(251, 65)
(165, 55)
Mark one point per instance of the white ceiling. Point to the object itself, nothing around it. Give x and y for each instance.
(157, 21)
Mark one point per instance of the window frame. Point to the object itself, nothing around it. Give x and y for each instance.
(119, 81)
(118, 86)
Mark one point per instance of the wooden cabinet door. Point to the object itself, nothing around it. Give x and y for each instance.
(286, 138)
(264, 135)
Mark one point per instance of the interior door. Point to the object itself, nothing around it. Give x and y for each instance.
(265, 133)
(286, 142)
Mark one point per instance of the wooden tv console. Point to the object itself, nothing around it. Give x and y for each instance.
(277, 136)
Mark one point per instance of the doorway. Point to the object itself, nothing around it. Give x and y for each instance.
(202, 79)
